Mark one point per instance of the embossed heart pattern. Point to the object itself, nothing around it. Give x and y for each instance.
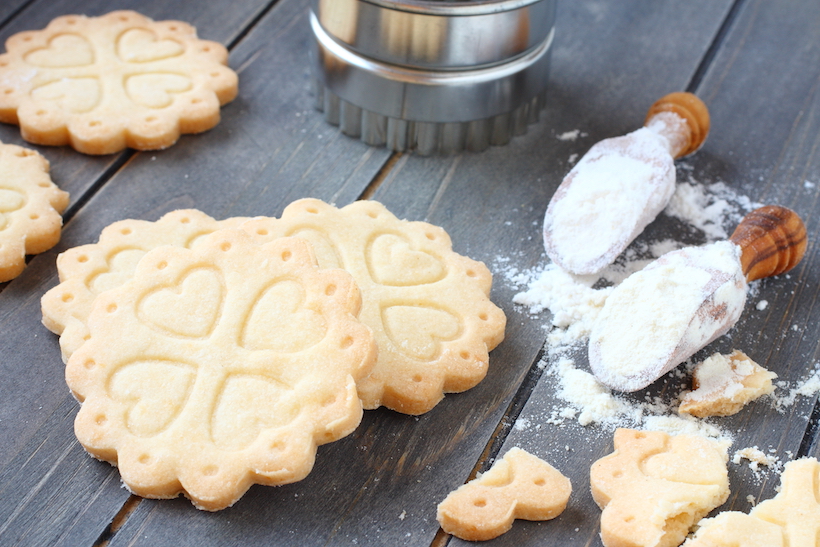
(101, 84)
(30, 207)
(172, 344)
(201, 378)
(428, 306)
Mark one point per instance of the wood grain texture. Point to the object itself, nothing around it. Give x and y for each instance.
(380, 486)
(763, 144)
(9, 8)
(241, 165)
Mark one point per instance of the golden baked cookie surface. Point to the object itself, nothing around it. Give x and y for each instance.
(101, 84)
(88, 270)
(517, 486)
(428, 306)
(30, 207)
(654, 487)
(217, 368)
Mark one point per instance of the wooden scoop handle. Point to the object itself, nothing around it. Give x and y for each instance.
(772, 240)
(692, 110)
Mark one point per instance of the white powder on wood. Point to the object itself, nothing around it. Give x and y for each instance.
(714, 210)
(574, 305)
(808, 387)
(570, 135)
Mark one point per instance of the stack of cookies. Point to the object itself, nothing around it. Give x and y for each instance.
(211, 355)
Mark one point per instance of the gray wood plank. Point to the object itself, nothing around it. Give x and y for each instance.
(761, 89)
(380, 486)
(9, 8)
(260, 157)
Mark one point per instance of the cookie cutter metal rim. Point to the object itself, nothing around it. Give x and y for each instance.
(462, 7)
(402, 92)
(415, 114)
(433, 38)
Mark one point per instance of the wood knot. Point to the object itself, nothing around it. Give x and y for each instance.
(772, 240)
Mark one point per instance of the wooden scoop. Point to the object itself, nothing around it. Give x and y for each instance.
(658, 317)
(620, 186)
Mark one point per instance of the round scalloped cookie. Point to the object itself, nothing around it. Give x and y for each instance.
(88, 270)
(101, 84)
(219, 367)
(428, 306)
(30, 207)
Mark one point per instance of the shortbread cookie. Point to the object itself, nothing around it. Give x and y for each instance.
(216, 368)
(428, 307)
(791, 518)
(735, 529)
(30, 207)
(88, 270)
(653, 488)
(723, 384)
(796, 508)
(518, 486)
(101, 84)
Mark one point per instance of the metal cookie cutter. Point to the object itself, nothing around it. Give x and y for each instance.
(437, 76)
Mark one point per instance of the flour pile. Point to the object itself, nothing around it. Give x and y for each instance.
(711, 211)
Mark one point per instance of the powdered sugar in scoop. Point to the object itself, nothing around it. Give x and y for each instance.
(607, 199)
(661, 315)
(575, 301)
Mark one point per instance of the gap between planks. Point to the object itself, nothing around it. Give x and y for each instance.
(502, 430)
(118, 521)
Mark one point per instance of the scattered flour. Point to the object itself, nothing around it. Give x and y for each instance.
(575, 301)
(714, 209)
(807, 387)
(571, 135)
(762, 305)
(756, 459)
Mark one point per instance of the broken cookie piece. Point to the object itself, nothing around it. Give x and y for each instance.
(791, 518)
(654, 487)
(723, 384)
(796, 508)
(735, 529)
(518, 486)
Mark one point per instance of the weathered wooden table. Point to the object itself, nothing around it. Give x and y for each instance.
(756, 63)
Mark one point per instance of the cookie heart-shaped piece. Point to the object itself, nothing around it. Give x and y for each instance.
(154, 393)
(156, 90)
(71, 94)
(188, 309)
(392, 261)
(63, 51)
(139, 45)
(248, 404)
(418, 331)
(279, 320)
